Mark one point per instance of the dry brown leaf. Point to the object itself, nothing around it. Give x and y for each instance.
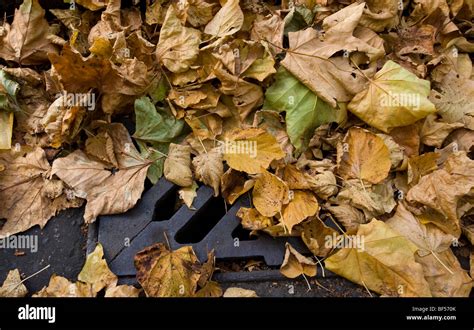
(227, 21)
(26, 40)
(315, 234)
(363, 156)
(234, 184)
(96, 272)
(105, 192)
(24, 192)
(177, 168)
(62, 288)
(442, 189)
(178, 46)
(209, 168)
(13, 286)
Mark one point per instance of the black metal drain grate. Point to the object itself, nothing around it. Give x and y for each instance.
(155, 219)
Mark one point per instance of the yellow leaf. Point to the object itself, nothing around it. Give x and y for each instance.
(303, 205)
(363, 156)
(252, 220)
(269, 194)
(62, 288)
(295, 264)
(96, 272)
(251, 150)
(187, 195)
(394, 98)
(386, 263)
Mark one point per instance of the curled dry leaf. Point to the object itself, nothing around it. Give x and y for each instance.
(187, 195)
(295, 264)
(251, 219)
(177, 167)
(209, 168)
(105, 192)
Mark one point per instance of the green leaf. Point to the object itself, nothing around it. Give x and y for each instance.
(297, 19)
(155, 130)
(155, 125)
(304, 110)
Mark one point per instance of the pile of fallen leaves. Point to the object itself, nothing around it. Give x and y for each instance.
(360, 114)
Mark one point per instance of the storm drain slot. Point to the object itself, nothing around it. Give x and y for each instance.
(167, 206)
(202, 222)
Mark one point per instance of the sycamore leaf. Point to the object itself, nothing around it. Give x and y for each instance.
(394, 98)
(269, 194)
(178, 46)
(363, 156)
(209, 168)
(239, 293)
(210, 290)
(26, 194)
(295, 264)
(304, 110)
(177, 167)
(228, 20)
(251, 150)
(27, 39)
(442, 189)
(105, 192)
(303, 205)
(12, 286)
(385, 264)
(251, 219)
(187, 195)
(96, 272)
(163, 273)
(380, 15)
